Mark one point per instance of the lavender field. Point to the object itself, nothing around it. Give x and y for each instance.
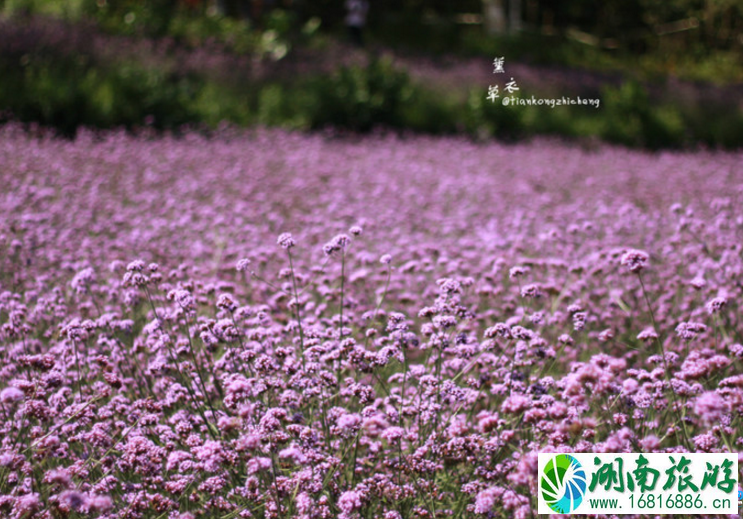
(268, 324)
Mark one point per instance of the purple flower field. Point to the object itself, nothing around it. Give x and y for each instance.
(280, 325)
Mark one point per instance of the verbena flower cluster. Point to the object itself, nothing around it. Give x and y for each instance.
(279, 325)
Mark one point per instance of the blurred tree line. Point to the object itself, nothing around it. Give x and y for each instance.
(633, 25)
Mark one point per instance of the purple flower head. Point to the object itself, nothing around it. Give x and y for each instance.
(183, 298)
(294, 454)
(72, 499)
(579, 320)
(338, 243)
(689, 330)
(715, 305)
(27, 504)
(521, 333)
(444, 321)
(635, 260)
(647, 335)
(134, 276)
(82, 280)
(175, 458)
(304, 503)
(135, 266)
(650, 443)
(349, 422)
(393, 434)
(449, 286)
(515, 404)
(243, 265)
(286, 241)
(499, 330)
(211, 454)
(226, 302)
(486, 500)
(531, 291)
(710, 407)
(705, 442)
(11, 395)
(59, 477)
(102, 504)
(698, 282)
(349, 501)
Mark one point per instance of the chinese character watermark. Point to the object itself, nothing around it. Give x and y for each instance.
(492, 93)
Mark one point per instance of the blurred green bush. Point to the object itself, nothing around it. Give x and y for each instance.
(66, 93)
(630, 118)
(69, 91)
(358, 98)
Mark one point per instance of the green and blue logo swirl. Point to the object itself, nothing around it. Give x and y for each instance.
(563, 483)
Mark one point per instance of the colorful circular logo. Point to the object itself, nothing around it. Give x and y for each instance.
(563, 483)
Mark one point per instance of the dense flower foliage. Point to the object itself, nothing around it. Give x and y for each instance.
(280, 325)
